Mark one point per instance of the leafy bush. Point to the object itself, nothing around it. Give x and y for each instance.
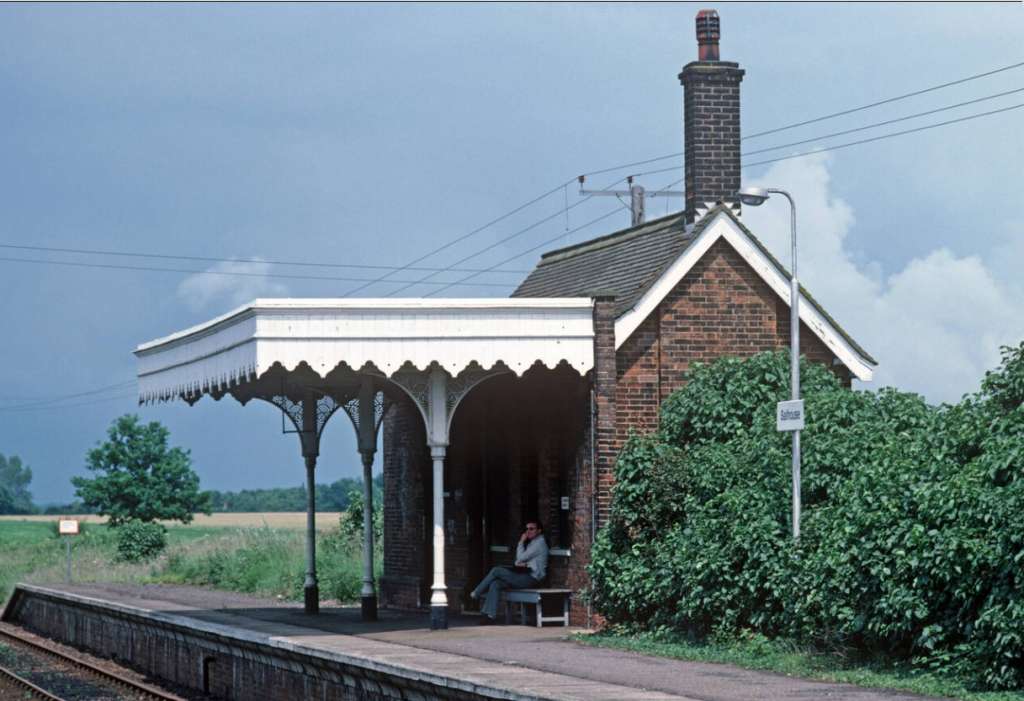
(912, 543)
(140, 540)
(350, 522)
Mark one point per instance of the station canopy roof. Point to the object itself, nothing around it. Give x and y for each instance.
(269, 338)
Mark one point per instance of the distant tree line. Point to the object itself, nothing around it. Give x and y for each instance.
(329, 497)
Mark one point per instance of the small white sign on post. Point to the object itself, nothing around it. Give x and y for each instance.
(67, 526)
(789, 416)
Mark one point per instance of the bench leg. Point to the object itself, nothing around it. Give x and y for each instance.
(565, 611)
(540, 613)
(508, 613)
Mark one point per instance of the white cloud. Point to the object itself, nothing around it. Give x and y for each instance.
(935, 326)
(233, 282)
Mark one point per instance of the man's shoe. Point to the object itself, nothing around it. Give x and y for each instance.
(486, 621)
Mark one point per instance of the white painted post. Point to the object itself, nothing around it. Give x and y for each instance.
(438, 441)
(369, 593)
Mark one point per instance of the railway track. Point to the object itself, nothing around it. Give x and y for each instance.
(80, 668)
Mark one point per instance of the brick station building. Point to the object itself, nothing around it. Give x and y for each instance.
(496, 411)
(689, 287)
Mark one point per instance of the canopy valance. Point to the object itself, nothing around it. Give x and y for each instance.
(386, 334)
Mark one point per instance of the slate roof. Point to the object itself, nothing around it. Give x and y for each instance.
(625, 263)
(628, 262)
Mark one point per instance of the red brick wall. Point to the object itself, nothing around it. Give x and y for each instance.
(721, 308)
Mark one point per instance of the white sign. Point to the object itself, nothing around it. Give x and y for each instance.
(67, 526)
(565, 503)
(789, 416)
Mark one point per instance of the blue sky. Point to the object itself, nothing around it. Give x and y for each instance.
(373, 134)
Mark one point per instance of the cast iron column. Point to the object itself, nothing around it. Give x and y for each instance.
(310, 450)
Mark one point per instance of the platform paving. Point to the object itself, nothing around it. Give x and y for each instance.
(529, 663)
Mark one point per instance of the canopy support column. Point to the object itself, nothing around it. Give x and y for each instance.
(437, 410)
(369, 592)
(310, 437)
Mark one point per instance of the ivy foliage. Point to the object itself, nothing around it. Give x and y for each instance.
(912, 540)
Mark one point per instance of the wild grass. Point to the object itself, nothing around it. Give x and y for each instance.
(261, 560)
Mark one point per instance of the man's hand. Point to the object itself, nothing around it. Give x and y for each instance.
(524, 537)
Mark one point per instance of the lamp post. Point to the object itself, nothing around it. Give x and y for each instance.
(756, 196)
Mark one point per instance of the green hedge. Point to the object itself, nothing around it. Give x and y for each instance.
(912, 542)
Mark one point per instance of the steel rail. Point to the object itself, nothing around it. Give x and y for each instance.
(26, 685)
(10, 632)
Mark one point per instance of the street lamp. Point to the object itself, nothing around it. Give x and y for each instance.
(756, 196)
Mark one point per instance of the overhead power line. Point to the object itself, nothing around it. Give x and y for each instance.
(43, 402)
(882, 124)
(561, 234)
(886, 136)
(676, 154)
(164, 256)
(855, 143)
(886, 101)
(506, 239)
(54, 407)
(236, 273)
(459, 239)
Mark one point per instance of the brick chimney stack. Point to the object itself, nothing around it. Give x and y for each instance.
(711, 131)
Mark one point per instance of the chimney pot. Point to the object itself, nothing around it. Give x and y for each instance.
(708, 33)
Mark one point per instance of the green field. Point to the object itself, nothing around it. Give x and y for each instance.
(262, 560)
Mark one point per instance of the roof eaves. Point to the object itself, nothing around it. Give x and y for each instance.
(782, 269)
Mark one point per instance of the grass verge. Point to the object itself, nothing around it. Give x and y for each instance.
(264, 561)
(785, 658)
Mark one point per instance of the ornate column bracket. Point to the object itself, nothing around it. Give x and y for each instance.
(309, 435)
(417, 384)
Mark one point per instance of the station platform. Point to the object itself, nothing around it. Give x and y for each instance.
(231, 644)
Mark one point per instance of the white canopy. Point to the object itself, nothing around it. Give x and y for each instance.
(386, 333)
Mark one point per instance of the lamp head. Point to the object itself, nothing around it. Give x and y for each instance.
(752, 196)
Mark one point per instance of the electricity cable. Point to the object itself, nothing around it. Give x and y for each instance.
(162, 256)
(43, 402)
(858, 142)
(235, 273)
(884, 136)
(451, 243)
(882, 124)
(838, 114)
(886, 101)
(464, 281)
(504, 240)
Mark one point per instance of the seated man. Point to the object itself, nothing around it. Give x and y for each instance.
(530, 569)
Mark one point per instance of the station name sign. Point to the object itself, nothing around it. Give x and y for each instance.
(789, 416)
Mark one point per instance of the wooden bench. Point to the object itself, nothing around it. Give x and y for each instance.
(537, 598)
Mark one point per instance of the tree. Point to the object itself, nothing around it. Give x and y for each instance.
(139, 477)
(14, 480)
